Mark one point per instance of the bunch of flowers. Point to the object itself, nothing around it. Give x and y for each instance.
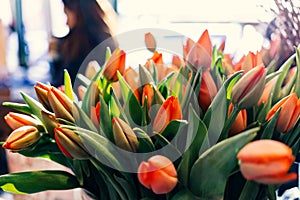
(202, 127)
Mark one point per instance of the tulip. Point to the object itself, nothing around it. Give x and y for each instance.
(208, 91)
(148, 95)
(158, 174)
(115, 63)
(92, 69)
(41, 91)
(266, 161)
(50, 122)
(169, 110)
(248, 90)
(124, 135)
(187, 47)
(177, 62)
(201, 53)
(60, 104)
(240, 122)
(150, 42)
(250, 61)
(22, 138)
(132, 78)
(267, 91)
(95, 114)
(70, 143)
(17, 120)
(289, 112)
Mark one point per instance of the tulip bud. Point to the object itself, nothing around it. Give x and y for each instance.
(70, 143)
(49, 121)
(41, 91)
(124, 135)
(208, 91)
(251, 61)
(266, 161)
(95, 114)
(17, 120)
(169, 110)
(150, 42)
(148, 94)
(248, 90)
(240, 122)
(289, 112)
(115, 63)
(187, 47)
(60, 104)
(132, 78)
(201, 53)
(158, 174)
(92, 69)
(267, 91)
(21, 138)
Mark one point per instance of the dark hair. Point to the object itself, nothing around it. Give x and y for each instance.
(90, 28)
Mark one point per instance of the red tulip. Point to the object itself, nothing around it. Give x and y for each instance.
(148, 95)
(267, 162)
(169, 110)
(17, 120)
(115, 63)
(248, 90)
(208, 91)
(95, 114)
(21, 138)
(158, 174)
(201, 53)
(289, 113)
(240, 122)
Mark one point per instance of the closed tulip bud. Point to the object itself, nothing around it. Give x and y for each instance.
(115, 63)
(240, 122)
(248, 90)
(158, 174)
(95, 114)
(169, 110)
(22, 138)
(289, 112)
(187, 47)
(208, 91)
(177, 62)
(92, 69)
(17, 120)
(124, 135)
(132, 78)
(251, 60)
(150, 42)
(201, 53)
(148, 95)
(49, 121)
(41, 91)
(267, 162)
(60, 104)
(70, 143)
(267, 91)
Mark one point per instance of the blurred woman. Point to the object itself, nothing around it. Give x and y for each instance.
(88, 26)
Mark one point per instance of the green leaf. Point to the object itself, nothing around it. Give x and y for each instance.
(127, 187)
(185, 194)
(210, 172)
(145, 142)
(24, 108)
(38, 181)
(196, 133)
(250, 190)
(105, 119)
(68, 85)
(35, 106)
(173, 128)
(170, 151)
(297, 83)
(284, 71)
(270, 127)
(82, 120)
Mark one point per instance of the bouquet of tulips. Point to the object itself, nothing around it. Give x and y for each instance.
(201, 127)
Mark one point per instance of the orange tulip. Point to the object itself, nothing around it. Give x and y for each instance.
(177, 62)
(267, 91)
(70, 143)
(240, 122)
(158, 174)
(148, 95)
(187, 47)
(61, 104)
(250, 61)
(150, 42)
(169, 110)
(208, 91)
(132, 78)
(115, 63)
(201, 53)
(267, 162)
(22, 138)
(248, 90)
(289, 113)
(17, 120)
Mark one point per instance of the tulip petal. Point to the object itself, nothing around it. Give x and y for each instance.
(162, 183)
(279, 179)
